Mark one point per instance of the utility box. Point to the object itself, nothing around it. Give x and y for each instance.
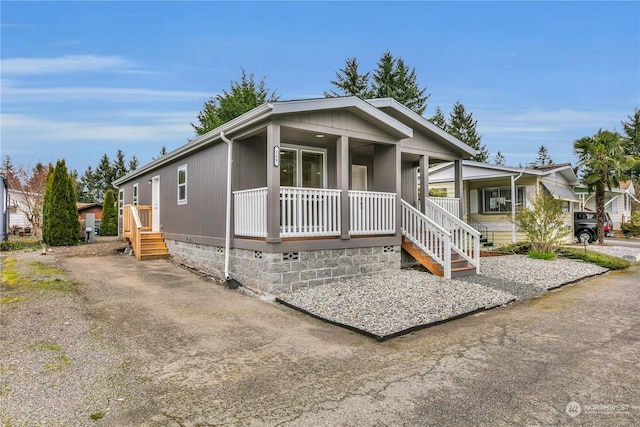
(90, 231)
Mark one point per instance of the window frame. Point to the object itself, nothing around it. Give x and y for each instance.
(136, 194)
(300, 149)
(121, 202)
(185, 184)
(520, 191)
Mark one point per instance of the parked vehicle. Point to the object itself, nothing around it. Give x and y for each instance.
(585, 226)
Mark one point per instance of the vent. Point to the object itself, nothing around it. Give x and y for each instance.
(290, 256)
(387, 249)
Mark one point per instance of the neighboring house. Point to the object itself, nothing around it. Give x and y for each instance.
(18, 208)
(617, 201)
(315, 194)
(92, 208)
(4, 209)
(488, 193)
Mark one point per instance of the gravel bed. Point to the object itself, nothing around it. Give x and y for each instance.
(386, 304)
(629, 253)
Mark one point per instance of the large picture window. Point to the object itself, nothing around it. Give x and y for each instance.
(301, 167)
(498, 200)
(182, 185)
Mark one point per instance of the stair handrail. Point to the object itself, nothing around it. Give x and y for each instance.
(465, 240)
(427, 235)
(136, 239)
(477, 225)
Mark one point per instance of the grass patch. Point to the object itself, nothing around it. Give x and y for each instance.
(33, 276)
(10, 246)
(61, 360)
(547, 256)
(97, 415)
(593, 257)
(11, 299)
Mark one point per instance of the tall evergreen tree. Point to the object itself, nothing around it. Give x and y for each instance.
(109, 222)
(543, 157)
(62, 223)
(119, 167)
(104, 176)
(350, 82)
(243, 96)
(462, 126)
(631, 130)
(500, 160)
(394, 79)
(46, 202)
(439, 119)
(9, 171)
(133, 164)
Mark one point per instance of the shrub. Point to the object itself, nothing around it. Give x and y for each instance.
(109, 222)
(10, 246)
(520, 248)
(543, 223)
(61, 222)
(632, 227)
(548, 256)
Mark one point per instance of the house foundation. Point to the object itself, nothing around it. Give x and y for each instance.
(275, 273)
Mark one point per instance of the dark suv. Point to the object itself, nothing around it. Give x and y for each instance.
(585, 225)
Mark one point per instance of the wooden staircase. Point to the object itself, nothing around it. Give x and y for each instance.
(459, 266)
(152, 246)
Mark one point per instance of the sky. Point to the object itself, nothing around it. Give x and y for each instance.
(83, 79)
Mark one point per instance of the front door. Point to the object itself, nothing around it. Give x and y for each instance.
(155, 204)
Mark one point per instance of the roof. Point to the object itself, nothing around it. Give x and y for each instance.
(85, 206)
(385, 113)
(477, 170)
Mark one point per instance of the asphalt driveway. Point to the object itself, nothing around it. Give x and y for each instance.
(198, 354)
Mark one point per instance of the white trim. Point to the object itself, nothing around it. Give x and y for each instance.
(136, 194)
(183, 168)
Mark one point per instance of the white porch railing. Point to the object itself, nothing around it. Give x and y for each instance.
(465, 240)
(309, 212)
(372, 212)
(432, 239)
(250, 212)
(449, 204)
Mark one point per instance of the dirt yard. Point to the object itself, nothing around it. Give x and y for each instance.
(105, 340)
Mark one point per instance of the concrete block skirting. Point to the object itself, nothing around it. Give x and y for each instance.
(274, 273)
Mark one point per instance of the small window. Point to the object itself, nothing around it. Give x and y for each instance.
(135, 194)
(182, 185)
(121, 202)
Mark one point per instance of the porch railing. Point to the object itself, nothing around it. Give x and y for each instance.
(372, 212)
(308, 212)
(450, 204)
(431, 238)
(135, 221)
(250, 212)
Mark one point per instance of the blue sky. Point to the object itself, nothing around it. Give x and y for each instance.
(81, 79)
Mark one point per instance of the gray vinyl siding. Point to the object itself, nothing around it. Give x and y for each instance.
(409, 182)
(423, 144)
(249, 163)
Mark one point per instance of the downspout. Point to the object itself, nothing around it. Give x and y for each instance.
(514, 199)
(227, 242)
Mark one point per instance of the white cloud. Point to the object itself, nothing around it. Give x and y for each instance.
(65, 64)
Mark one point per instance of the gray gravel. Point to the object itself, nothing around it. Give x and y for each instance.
(629, 253)
(388, 303)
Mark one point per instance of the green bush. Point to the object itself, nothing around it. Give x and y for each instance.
(520, 248)
(10, 246)
(548, 256)
(632, 227)
(109, 222)
(543, 223)
(594, 257)
(61, 223)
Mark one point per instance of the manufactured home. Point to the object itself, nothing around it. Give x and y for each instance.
(617, 202)
(298, 193)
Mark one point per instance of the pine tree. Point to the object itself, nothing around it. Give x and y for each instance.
(119, 167)
(462, 126)
(8, 170)
(109, 222)
(46, 202)
(61, 225)
(500, 160)
(350, 82)
(438, 119)
(104, 177)
(543, 157)
(631, 130)
(393, 79)
(133, 164)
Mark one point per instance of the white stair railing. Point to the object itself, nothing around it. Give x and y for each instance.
(465, 240)
(432, 239)
(449, 204)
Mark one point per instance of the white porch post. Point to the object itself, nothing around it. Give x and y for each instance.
(273, 186)
(424, 182)
(459, 192)
(342, 159)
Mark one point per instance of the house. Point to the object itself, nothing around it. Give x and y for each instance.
(315, 190)
(94, 208)
(617, 201)
(488, 193)
(5, 209)
(18, 208)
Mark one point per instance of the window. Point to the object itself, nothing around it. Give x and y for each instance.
(135, 194)
(121, 202)
(498, 200)
(300, 167)
(182, 185)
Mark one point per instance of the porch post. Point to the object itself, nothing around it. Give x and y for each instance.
(342, 159)
(424, 182)
(273, 186)
(458, 184)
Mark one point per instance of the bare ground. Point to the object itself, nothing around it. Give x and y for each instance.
(161, 346)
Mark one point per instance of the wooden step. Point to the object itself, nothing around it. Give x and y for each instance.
(153, 246)
(459, 267)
